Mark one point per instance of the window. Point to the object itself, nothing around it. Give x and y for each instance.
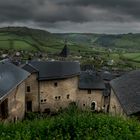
(57, 97)
(55, 84)
(41, 101)
(45, 100)
(84, 105)
(89, 91)
(68, 96)
(28, 89)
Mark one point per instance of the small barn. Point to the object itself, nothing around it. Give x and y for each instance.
(125, 94)
(57, 84)
(91, 93)
(12, 92)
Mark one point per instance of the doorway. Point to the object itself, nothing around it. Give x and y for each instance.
(93, 106)
(29, 106)
(4, 109)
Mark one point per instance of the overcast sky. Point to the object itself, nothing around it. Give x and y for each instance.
(96, 16)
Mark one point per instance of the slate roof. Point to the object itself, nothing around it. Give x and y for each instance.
(91, 81)
(10, 77)
(51, 70)
(106, 75)
(127, 90)
(29, 68)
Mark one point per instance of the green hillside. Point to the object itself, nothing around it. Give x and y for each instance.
(125, 41)
(39, 40)
(23, 38)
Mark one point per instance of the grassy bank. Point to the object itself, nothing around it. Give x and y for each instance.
(72, 124)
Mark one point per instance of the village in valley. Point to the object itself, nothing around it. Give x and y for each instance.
(51, 85)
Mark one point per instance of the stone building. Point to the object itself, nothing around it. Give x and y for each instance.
(125, 94)
(91, 93)
(52, 85)
(12, 92)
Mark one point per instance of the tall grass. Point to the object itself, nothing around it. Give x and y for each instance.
(73, 124)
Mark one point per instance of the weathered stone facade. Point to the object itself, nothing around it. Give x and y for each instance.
(52, 86)
(13, 105)
(32, 93)
(90, 99)
(115, 106)
(53, 94)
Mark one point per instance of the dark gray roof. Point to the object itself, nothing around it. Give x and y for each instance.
(50, 70)
(87, 67)
(29, 68)
(106, 75)
(91, 81)
(127, 90)
(10, 77)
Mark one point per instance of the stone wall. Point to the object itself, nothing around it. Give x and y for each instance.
(33, 94)
(57, 94)
(115, 106)
(16, 103)
(85, 98)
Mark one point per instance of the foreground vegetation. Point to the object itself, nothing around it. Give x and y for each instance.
(72, 124)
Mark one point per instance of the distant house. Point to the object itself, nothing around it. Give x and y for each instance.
(87, 67)
(12, 92)
(91, 94)
(125, 94)
(52, 85)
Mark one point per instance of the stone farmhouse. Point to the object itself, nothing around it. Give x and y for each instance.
(12, 92)
(51, 85)
(54, 85)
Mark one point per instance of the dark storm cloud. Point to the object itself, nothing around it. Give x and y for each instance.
(72, 10)
(128, 7)
(64, 14)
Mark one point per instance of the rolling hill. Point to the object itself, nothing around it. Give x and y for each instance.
(123, 41)
(23, 38)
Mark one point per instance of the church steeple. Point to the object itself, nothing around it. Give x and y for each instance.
(65, 50)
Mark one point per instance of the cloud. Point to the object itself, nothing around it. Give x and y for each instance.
(68, 14)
